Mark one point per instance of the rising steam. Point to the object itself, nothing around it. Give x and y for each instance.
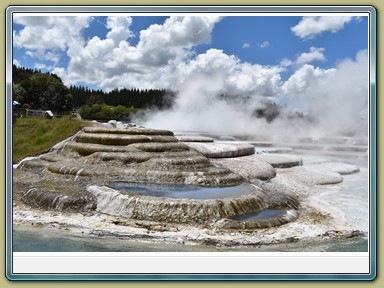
(334, 103)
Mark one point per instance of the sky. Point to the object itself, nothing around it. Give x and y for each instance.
(292, 60)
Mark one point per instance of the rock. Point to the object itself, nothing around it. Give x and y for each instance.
(285, 217)
(279, 161)
(248, 167)
(341, 168)
(112, 123)
(130, 131)
(133, 155)
(120, 125)
(56, 200)
(263, 150)
(308, 176)
(227, 138)
(194, 138)
(222, 150)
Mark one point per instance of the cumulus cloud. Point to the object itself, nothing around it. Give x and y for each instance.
(303, 78)
(314, 54)
(153, 63)
(239, 77)
(119, 28)
(46, 36)
(311, 26)
(163, 58)
(160, 44)
(246, 45)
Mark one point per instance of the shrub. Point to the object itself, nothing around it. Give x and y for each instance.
(105, 112)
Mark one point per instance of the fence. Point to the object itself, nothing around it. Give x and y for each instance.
(32, 113)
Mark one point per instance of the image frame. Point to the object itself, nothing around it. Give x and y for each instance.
(198, 277)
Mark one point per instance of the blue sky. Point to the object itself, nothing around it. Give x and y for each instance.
(273, 56)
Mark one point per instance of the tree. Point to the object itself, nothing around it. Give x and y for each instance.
(19, 93)
(49, 93)
(95, 99)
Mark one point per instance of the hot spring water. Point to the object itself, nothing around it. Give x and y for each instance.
(180, 191)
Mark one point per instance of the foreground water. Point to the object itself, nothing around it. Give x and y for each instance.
(26, 239)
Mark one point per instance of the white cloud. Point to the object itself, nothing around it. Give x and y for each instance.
(163, 58)
(45, 36)
(285, 62)
(303, 78)
(246, 45)
(52, 55)
(238, 77)
(119, 28)
(152, 63)
(160, 44)
(265, 44)
(315, 54)
(16, 62)
(311, 26)
(40, 66)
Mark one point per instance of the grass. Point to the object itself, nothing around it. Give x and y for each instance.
(33, 136)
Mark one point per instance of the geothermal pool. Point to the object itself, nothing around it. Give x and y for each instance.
(180, 191)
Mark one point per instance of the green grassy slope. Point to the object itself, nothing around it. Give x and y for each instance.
(32, 136)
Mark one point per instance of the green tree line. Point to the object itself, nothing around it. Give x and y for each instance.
(37, 90)
(139, 98)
